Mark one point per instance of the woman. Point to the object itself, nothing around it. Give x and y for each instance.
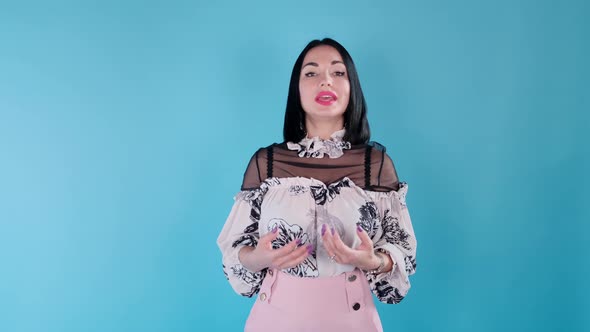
(321, 222)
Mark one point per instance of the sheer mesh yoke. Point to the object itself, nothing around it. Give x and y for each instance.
(368, 166)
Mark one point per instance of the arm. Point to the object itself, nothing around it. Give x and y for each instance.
(395, 239)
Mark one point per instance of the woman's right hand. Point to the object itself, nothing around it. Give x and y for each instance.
(263, 255)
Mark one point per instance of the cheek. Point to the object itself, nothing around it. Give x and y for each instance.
(304, 91)
(346, 91)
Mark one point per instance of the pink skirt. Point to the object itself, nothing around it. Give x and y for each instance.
(287, 304)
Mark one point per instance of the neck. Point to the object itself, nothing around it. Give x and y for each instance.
(323, 129)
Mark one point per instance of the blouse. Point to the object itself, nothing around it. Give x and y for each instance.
(298, 188)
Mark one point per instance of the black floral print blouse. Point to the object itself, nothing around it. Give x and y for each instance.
(300, 187)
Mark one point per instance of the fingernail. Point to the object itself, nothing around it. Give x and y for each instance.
(332, 230)
(309, 249)
(323, 229)
(274, 229)
(298, 241)
(359, 228)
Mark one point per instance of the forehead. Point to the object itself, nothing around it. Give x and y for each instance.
(322, 53)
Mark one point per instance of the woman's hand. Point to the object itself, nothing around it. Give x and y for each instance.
(263, 255)
(363, 256)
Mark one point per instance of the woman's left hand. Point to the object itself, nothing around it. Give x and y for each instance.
(363, 256)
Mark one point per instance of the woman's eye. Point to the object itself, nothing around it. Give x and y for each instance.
(339, 73)
(310, 74)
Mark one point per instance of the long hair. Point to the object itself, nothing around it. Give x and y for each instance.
(355, 116)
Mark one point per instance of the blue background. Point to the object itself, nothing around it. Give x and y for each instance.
(125, 128)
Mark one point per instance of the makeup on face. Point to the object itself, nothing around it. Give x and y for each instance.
(326, 98)
(323, 84)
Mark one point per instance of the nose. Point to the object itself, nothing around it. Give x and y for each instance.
(326, 80)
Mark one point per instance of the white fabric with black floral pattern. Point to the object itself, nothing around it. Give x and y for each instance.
(299, 206)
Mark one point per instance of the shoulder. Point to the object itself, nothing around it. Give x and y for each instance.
(263, 154)
(383, 165)
(256, 170)
(379, 152)
(377, 146)
(264, 151)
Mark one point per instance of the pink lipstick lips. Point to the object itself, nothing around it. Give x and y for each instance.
(326, 98)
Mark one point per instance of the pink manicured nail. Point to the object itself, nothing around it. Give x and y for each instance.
(309, 249)
(298, 241)
(323, 229)
(274, 229)
(332, 230)
(359, 228)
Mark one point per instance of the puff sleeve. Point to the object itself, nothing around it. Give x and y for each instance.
(396, 238)
(241, 229)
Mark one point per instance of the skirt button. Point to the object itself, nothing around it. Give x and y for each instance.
(262, 296)
(356, 306)
(351, 278)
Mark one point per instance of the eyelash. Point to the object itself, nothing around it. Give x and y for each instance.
(337, 73)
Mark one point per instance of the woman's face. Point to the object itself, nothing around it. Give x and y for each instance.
(323, 84)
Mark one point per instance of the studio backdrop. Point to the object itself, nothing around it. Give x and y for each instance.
(126, 127)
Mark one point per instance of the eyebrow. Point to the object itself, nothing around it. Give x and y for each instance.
(316, 65)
